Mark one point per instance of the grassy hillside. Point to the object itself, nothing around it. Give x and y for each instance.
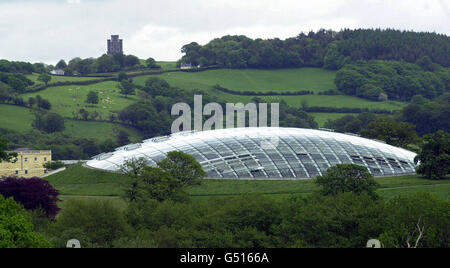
(78, 181)
(20, 119)
(15, 118)
(322, 118)
(55, 78)
(313, 79)
(68, 99)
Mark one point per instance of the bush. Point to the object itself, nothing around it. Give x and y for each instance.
(16, 228)
(92, 97)
(93, 223)
(54, 165)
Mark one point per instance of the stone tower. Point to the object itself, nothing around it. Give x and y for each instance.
(115, 45)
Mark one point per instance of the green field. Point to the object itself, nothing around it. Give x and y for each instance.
(68, 99)
(80, 182)
(322, 118)
(15, 118)
(167, 65)
(313, 79)
(56, 78)
(20, 119)
(285, 80)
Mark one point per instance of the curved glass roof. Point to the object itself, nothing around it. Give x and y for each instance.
(243, 153)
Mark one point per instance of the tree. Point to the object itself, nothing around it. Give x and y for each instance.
(131, 61)
(61, 65)
(346, 220)
(54, 165)
(49, 122)
(133, 168)
(156, 86)
(161, 185)
(347, 178)
(84, 114)
(183, 167)
(122, 76)
(92, 97)
(126, 88)
(31, 101)
(17, 230)
(4, 154)
(392, 132)
(416, 220)
(98, 223)
(4, 92)
(123, 138)
(43, 103)
(45, 78)
(33, 194)
(434, 157)
(151, 64)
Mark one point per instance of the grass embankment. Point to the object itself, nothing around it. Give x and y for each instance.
(81, 182)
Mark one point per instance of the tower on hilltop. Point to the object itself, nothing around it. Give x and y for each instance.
(115, 45)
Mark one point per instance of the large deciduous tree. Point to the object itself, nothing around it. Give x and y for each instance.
(434, 157)
(33, 194)
(392, 132)
(183, 167)
(347, 178)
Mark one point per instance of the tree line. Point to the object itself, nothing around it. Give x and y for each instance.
(324, 48)
(344, 212)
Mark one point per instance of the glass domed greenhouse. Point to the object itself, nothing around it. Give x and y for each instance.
(238, 153)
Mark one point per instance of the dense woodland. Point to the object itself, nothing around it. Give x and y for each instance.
(324, 48)
(393, 80)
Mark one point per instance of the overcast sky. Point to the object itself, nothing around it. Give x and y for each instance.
(49, 30)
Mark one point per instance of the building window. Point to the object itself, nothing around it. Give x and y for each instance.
(17, 172)
(35, 159)
(26, 159)
(45, 159)
(26, 172)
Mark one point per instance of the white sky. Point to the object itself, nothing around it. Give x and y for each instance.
(49, 30)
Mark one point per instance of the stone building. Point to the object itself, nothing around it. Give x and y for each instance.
(29, 163)
(115, 45)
